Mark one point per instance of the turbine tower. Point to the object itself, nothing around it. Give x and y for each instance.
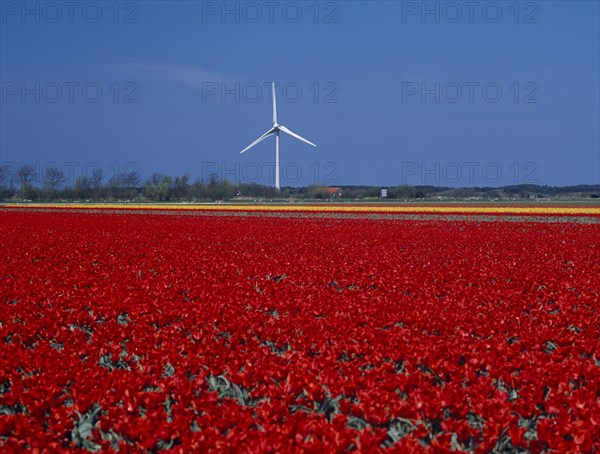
(275, 130)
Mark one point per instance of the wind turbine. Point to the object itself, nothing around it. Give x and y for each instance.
(275, 130)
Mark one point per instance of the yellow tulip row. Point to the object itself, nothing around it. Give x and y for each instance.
(366, 208)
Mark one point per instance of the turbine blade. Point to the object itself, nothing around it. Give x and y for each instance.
(260, 139)
(274, 105)
(287, 131)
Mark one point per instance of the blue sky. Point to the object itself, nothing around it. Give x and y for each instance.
(437, 93)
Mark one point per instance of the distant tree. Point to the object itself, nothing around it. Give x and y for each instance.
(181, 187)
(158, 187)
(5, 178)
(198, 190)
(316, 192)
(165, 188)
(155, 179)
(3, 175)
(124, 185)
(26, 174)
(131, 178)
(222, 191)
(213, 190)
(83, 187)
(95, 181)
(213, 179)
(54, 178)
(256, 190)
(403, 192)
(97, 177)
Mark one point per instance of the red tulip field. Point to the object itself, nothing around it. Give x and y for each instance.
(144, 332)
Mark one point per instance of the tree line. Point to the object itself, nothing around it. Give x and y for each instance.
(25, 183)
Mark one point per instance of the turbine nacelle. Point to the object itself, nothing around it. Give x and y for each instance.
(275, 130)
